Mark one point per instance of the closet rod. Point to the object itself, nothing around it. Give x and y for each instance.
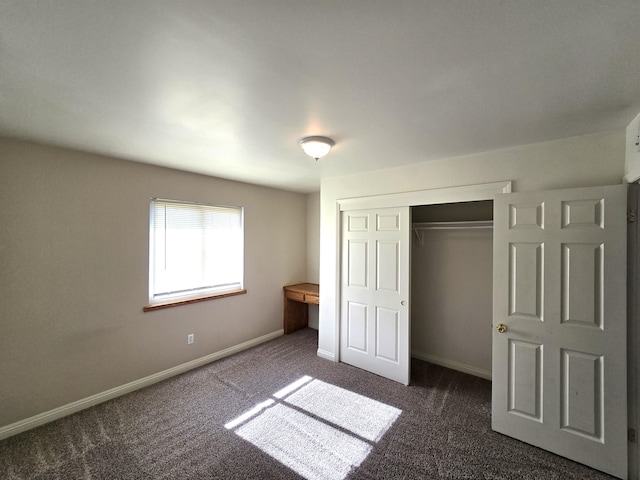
(453, 225)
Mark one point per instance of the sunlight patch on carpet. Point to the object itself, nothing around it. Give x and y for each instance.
(292, 387)
(317, 429)
(247, 415)
(310, 447)
(361, 415)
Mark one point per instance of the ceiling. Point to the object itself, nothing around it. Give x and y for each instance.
(226, 88)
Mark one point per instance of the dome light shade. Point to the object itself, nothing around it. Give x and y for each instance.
(316, 147)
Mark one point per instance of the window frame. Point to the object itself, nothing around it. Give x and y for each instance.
(185, 298)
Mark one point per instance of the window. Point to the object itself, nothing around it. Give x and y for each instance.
(195, 251)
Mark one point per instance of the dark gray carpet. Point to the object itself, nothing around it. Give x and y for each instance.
(438, 428)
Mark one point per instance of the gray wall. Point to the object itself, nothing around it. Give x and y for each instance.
(74, 260)
(451, 289)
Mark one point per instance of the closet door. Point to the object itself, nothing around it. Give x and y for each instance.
(374, 305)
(559, 338)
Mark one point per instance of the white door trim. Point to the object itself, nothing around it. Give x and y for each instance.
(463, 193)
(633, 332)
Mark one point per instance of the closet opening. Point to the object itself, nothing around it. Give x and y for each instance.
(452, 285)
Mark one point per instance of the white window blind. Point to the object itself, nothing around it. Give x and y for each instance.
(194, 249)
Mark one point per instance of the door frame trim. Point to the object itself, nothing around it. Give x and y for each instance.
(633, 332)
(463, 193)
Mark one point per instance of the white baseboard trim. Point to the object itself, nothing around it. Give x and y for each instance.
(460, 367)
(70, 408)
(326, 355)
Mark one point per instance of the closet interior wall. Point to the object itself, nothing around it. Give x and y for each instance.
(451, 286)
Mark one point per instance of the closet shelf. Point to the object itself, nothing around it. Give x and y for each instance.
(466, 225)
(453, 225)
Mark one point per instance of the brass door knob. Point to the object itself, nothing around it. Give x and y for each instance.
(501, 328)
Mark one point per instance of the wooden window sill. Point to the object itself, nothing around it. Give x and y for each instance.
(186, 301)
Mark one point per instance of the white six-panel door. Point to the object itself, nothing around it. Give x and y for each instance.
(559, 342)
(374, 304)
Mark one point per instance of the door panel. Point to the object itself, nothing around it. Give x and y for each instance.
(388, 269)
(387, 334)
(559, 364)
(525, 287)
(374, 327)
(525, 379)
(357, 258)
(581, 278)
(581, 394)
(357, 327)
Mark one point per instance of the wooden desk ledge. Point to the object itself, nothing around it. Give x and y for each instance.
(296, 299)
(310, 288)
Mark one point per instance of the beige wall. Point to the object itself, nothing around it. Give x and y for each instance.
(74, 260)
(589, 160)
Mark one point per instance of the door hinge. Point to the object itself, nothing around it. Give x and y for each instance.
(632, 435)
(631, 216)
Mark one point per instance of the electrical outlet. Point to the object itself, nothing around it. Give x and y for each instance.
(190, 339)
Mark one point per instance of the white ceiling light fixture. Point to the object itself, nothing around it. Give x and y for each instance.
(316, 147)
